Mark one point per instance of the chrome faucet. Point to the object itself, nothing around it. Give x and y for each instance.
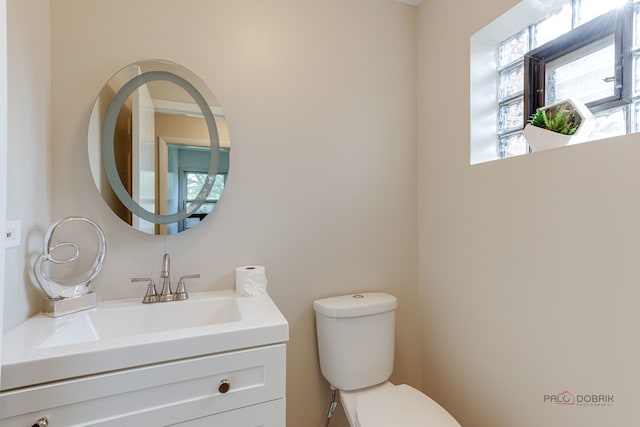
(165, 295)
(181, 291)
(151, 295)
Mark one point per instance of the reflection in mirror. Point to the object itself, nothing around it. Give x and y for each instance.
(158, 147)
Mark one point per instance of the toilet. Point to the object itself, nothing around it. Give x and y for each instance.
(356, 348)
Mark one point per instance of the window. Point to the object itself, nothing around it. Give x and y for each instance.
(194, 182)
(586, 49)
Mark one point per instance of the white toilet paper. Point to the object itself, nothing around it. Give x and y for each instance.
(251, 280)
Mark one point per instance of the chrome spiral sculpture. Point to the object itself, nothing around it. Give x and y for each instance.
(75, 294)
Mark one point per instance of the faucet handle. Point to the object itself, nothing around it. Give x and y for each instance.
(181, 291)
(152, 294)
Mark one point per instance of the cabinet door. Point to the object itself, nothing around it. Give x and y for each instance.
(270, 414)
(157, 395)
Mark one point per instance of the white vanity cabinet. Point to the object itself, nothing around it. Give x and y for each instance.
(244, 388)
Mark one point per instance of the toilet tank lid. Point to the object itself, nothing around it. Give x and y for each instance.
(355, 305)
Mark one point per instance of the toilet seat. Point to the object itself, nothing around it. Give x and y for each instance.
(401, 406)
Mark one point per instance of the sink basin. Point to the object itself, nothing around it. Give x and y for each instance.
(113, 320)
(119, 334)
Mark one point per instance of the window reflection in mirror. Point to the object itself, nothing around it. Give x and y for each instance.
(193, 182)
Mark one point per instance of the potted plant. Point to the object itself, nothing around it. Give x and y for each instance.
(559, 124)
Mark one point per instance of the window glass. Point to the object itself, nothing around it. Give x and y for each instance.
(589, 9)
(610, 123)
(635, 110)
(205, 208)
(587, 74)
(552, 27)
(512, 145)
(513, 48)
(511, 82)
(195, 181)
(636, 74)
(510, 116)
(218, 187)
(636, 25)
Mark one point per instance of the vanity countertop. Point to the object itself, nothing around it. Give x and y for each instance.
(121, 334)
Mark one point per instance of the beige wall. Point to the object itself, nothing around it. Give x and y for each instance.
(528, 277)
(173, 125)
(28, 152)
(528, 266)
(320, 101)
(3, 152)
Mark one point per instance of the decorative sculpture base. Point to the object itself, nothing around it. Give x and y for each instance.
(73, 294)
(57, 307)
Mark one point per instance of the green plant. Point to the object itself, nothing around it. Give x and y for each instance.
(561, 118)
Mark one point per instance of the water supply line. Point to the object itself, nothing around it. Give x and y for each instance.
(332, 405)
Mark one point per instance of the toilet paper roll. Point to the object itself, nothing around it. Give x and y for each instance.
(251, 280)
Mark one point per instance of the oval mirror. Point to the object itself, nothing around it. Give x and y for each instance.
(158, 147)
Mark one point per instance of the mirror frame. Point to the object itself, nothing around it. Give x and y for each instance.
(108, 133)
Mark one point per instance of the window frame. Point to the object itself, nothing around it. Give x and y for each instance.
(617, 22)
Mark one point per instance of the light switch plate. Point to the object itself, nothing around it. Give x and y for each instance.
(12, 234)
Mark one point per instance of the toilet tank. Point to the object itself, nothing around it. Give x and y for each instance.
(356, 339)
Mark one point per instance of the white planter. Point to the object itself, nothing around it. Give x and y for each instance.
(540, 139)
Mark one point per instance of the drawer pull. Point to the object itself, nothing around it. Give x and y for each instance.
(224, 386)
(42, 422)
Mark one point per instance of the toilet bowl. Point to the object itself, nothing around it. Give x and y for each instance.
(355, 344)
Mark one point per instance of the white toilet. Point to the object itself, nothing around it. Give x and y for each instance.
(356, 347)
